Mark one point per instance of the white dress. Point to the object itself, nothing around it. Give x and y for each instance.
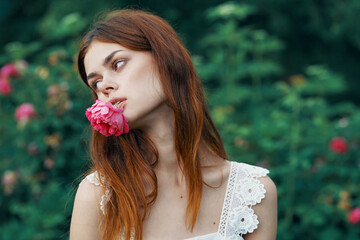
(243, 191)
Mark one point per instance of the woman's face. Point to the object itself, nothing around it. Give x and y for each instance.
(116, 74)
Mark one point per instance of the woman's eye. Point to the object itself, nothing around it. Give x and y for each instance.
(118, 64)
(96, 84)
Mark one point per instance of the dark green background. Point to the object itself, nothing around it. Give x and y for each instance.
(281, 79)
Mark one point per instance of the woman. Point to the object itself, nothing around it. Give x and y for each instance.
(168, 178)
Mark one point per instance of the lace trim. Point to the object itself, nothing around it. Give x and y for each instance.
(94, 178)
(226, 204)
(244, 190)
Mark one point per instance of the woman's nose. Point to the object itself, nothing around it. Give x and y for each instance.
(107, 86)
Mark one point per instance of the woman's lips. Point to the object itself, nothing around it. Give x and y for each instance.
(117, 101)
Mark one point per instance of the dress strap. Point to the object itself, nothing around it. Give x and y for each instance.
(243, 191)
(94, 178)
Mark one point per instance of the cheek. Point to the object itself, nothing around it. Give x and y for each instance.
(147, 96)
(146, 83)
(144, 99)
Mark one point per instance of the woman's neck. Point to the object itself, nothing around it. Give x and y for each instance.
(161, 132)
(160, 129)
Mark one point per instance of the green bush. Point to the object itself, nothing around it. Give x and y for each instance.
(42, 155)
(285, 125)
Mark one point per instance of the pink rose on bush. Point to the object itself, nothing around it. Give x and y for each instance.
(8, 181)
(338, 145)
(9, 70)
(107, 119)
(9, 178)
(354, 216)
(5, 87)
(25, 112)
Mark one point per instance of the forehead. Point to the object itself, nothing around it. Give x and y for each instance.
(98, 51)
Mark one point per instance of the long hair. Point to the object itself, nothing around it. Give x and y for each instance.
(128, 161)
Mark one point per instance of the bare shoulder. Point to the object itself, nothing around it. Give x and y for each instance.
(266, 211)
(86, 213)
(270, 187)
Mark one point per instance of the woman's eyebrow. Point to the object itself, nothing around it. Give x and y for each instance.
(106, 62)
(109, 57)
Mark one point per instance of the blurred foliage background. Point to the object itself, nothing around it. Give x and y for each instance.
(282, 84)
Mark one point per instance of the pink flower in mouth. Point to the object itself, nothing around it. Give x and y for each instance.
(107, 119)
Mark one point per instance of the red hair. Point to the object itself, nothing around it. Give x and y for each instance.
(128, 161)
